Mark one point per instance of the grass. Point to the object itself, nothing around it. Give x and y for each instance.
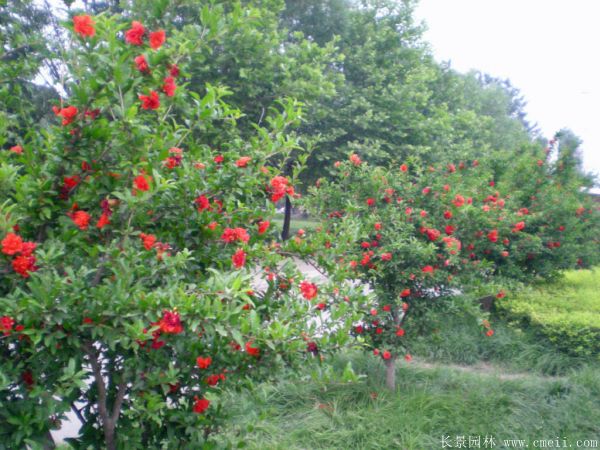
(428, 404)
(513, 385)
(295, 224)
(460, 340)
(566, 311)
(574, 298)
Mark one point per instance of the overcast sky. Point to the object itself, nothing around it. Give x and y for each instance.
(549, 49)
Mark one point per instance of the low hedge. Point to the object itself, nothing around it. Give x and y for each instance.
(567, 311)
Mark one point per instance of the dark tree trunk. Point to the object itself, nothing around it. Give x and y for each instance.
(285, 233)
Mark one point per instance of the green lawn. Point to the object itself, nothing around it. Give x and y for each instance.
(295, 224)
(566, 311)
(510, 386)
(428, 404)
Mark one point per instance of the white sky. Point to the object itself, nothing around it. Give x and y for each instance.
(549, 49)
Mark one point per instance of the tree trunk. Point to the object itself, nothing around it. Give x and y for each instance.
(109, 435)
(285, 233)
(390, 373)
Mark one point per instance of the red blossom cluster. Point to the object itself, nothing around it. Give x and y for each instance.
(231, 235)
(175, 158)
(23, 261)
(68, 114)
(279, 187)
(84, 25)
(309, 290)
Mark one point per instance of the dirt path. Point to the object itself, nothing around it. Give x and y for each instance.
(486, 369)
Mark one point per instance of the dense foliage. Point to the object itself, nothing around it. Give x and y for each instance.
(566, 312)
(424, 238)
(140, 276)
(144, 149)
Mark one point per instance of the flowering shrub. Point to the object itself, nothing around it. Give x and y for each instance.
(419, 236)
(130, 253)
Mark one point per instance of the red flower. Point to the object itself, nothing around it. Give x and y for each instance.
(371, 202)
(218, 159)
(157, 39)
(518, 227)
(71, 182)
(174, 70)
(243, 161)
(134, 35)
(449, 230)
(141, 183)
(432, 234)
(447, 215)
(103, 221)
(263, 226)
(279, 188)
(426, 190)
(386, 355)
(148, 239)
(68, 114)
(458, 201)
(170, 322)
(493, 236)
(202, 202)
(12, 244)
(203, 363)
(239, 259)
(405, 293)
(427, 269)
(27, 378)
(309, 290)
(403, 167)
(200, 405)
(23, 264)
(358, 329)
(142, 64)
(489, 333)
(17, 149)
(408, 357)
(354, 159)
(321, 306)
(151, 101)
(169, 86)
(84, 25)
(6, 324)
(376, 352)
(235, 234)
(213, 380)
(175, 158)
(501, 294)
(400, 332)
(81, 219)
(252, 351)
(386, 257)
(373, 312)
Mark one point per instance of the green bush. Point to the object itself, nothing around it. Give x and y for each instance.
(567, 311)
